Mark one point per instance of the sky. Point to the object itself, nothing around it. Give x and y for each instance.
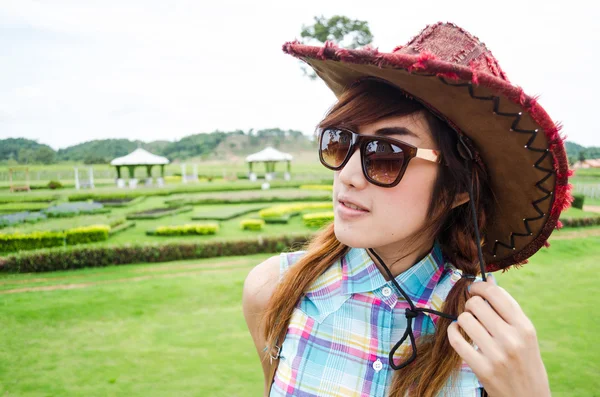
(79, 70)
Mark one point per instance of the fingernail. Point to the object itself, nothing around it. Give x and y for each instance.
(492, 278)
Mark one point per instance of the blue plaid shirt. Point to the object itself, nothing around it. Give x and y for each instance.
(343, 328)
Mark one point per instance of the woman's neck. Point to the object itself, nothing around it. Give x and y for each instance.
(398, 258)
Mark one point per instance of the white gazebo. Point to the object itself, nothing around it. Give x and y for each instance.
(140, 157)
(269, 156)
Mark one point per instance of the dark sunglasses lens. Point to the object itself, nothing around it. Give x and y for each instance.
(383, 161)
(335, 145)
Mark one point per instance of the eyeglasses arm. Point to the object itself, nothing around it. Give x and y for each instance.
(429, 155)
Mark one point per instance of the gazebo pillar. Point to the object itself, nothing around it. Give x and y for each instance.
(149, 171)
(289, 166)
(118, 171)
(131, 169)
(162, 171)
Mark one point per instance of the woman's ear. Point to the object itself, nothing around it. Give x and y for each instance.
(460, 199)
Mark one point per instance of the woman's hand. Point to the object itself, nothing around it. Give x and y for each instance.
(507, 359)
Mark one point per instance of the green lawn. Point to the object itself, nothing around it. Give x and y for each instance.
(177, 328)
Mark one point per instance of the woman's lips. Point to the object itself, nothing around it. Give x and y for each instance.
(349, 213)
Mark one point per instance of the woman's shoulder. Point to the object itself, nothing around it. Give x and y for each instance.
(287, 259)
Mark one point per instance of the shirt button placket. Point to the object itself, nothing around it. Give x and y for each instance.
(384, 335)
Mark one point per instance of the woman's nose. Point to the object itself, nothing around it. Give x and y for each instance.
(352, 174)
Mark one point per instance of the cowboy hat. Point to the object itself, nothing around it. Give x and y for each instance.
(455, 76)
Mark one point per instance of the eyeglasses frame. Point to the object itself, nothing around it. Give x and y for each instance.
(409, 151)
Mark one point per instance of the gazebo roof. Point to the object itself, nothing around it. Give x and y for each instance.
(269, 154)
(140, 157)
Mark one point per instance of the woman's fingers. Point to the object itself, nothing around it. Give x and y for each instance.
(478, 334)
(486, 315)
(500, 300)
(472, 357)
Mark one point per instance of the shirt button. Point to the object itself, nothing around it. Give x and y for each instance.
(386, 291)
(377, 365)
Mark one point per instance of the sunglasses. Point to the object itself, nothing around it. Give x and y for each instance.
(383, 159)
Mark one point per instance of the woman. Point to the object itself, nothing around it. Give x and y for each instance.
(443, 170)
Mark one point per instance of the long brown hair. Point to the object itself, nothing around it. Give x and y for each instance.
(436, 360)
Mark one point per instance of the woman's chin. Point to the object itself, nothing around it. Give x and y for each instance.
(352, 237)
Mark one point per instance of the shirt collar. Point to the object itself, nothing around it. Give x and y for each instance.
(360, 274)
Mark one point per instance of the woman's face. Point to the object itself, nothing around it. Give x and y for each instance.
(393, 214)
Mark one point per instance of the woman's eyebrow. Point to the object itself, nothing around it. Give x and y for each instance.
(396, 131)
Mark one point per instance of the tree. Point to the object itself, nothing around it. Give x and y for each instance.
(44, 155)
(345, 32)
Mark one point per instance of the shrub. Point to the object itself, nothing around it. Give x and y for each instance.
(87, 234)
(578, 200)
(224, 214)
(104, 255)
(252, 224)
(201, 229)
(317, 219)
(54, 185)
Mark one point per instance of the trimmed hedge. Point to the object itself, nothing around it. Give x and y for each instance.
(317, 219)
(282, 213)
(252, 224)
(20, 207)
(578, 200)
(104, 255)
(253, 200)
(580, 222)
(30, 241)
(87, 234)
(200, 229)
(156, 213)
(189, 188)
(27, 198)
(317, 187)
(36, 240)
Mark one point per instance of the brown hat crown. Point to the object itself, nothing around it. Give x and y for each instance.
(450, 43)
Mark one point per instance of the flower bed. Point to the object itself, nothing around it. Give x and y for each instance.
(21, 217)
(156, 213)
(121, 202)
(65, 210)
